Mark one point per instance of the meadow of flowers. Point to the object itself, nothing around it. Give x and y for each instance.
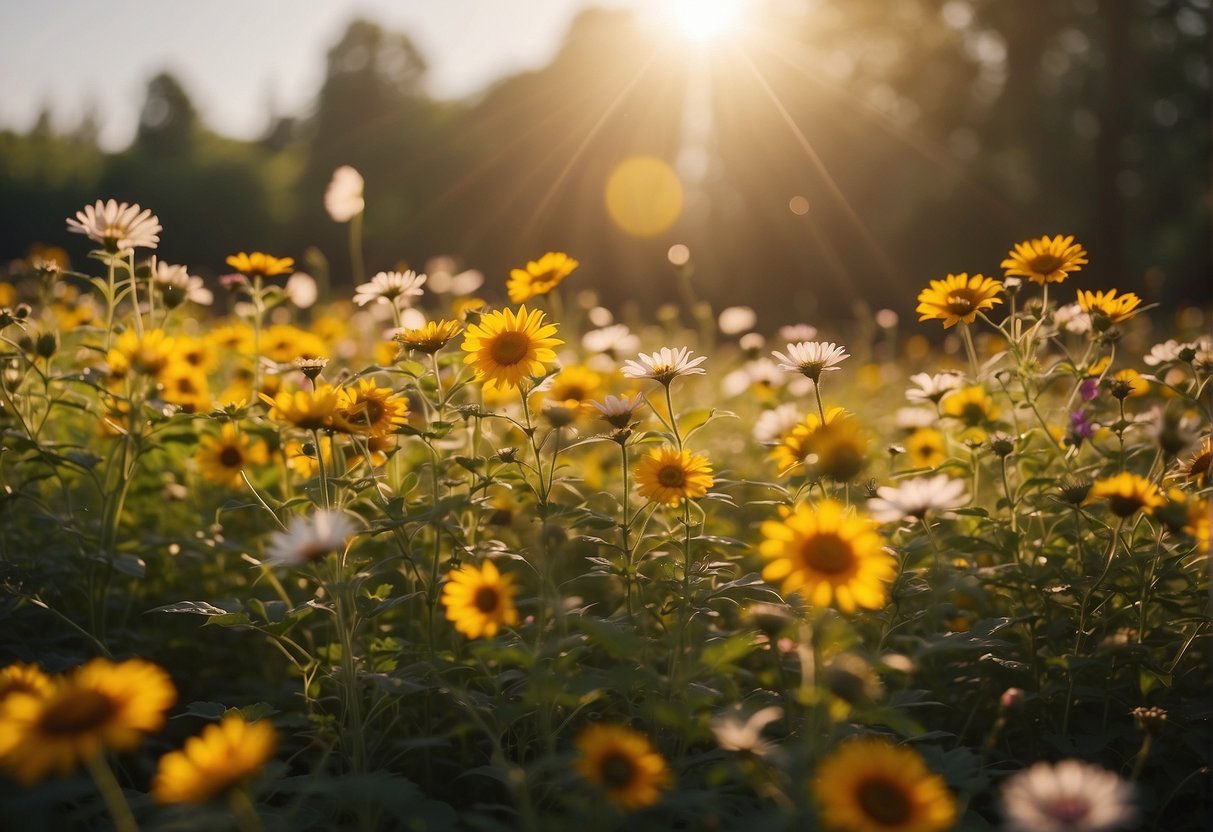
(430, 559)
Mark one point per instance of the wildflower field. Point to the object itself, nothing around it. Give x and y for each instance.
(456, 552)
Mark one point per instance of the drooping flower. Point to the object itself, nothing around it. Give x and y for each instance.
(1069, 796)
(623, 763)
(309, 539)
(665, 365)
(669, 476)
(118, 226)
(221, 458)
(1107, 307)
(176, 285)
(829, 554)
(98, 706)
(619, 411)
(260, 264)
(343, 196)
(1127, 493)
(480, 601)
(932, 388)
(429, 338)
(1045, 260)
(914, 498)
(540, 276)
(958, 298)
(222, 757)
(871, 785)
(507, 346)
(811, 358)
(390, 287)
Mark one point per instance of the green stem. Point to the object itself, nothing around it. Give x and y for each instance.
(111, 793)
(247, 819)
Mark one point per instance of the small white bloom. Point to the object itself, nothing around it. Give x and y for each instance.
(118, 226)
(390, 287)
(1164, 353)
(1072, 318)
(1071, 796)
(913, 418)
(614, 340)
(914, 498)
(811, 358)
(793, 333)
(760, 373)
(775, 424)
(176, 281)
(619, 410)
(736, 319)
(308, 539)
(301, 290)
(751, 342)
(665, 365)
(931, 388)
(343, 197)
(744, 736)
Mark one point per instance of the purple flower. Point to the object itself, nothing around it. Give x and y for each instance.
(1089, 389)
(1080, 425)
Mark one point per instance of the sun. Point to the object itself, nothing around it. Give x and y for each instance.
(704, 20)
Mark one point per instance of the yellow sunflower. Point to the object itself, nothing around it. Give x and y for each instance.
(829, 555)
(1127, 494)
(284, 343)
(799, 444)
(221, 458)
(623, 763)
(1045, 260)
(148, 354)
(222, 756)
(1108, 306)
(186, 386)
(231, 339)
(430, 338)
(306, 409)
(870, 785)
(98, 706)
(368, 408)
(261, 264)
(539, 277)
(668, 475)
(971, 405)
(926, 448)
(23, 678)
(480, 601)
(1199, 466)
(507, 346)
(958, 298)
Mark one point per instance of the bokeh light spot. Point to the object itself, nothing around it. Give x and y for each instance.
(798, 205)
(679, 255)
(644, 196)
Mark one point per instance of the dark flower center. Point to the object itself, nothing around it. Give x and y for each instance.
(1124, 505)
(617, 770)
(884, 802)
(1045, 263)
(76, 714)
(960, 304)
(672, 476)
(486, 599)
(230, 457)
(509, 348)
(1070, 810)
(827, 553)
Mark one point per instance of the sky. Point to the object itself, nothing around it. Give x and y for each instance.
(243, 61)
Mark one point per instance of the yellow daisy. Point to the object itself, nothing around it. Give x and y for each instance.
(1127, 494)
(480, 601)
(284, 343)
(98, 706)
(958, 298)
(258, 263)
(23, 678)
(1199, 466)
(306, 409)
(667, 475)
(829, 555)
(1045, 260)
(230, 339)
(506, 347)
(368, 408)
(221, 458)
(1108, 306)
(148, 355)
(794, 445)
(1128, 383)
(430, 338)
(186, 386)
(623, 763)
(870, 785)
(222, 756)
(926, 448)
(539, 277)
(971, 405)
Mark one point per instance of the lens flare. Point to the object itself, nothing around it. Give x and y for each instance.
(704, 20)
(643, 196)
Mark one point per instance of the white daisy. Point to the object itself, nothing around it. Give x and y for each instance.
(343, 197)
(794, 333)
(931, 388)
(613, 340)
(1164, 353)
(811, 358)
(390, 287)
(1072, 318)
(177, 285)
(913, 418)
(118, 226)
(619, 411)
(914, 498)
(775, 424)
(308, 539)
(1071, 796)
(736, 319)
(301, 290)
(744, 735)
(760, 373)
(665, 365)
